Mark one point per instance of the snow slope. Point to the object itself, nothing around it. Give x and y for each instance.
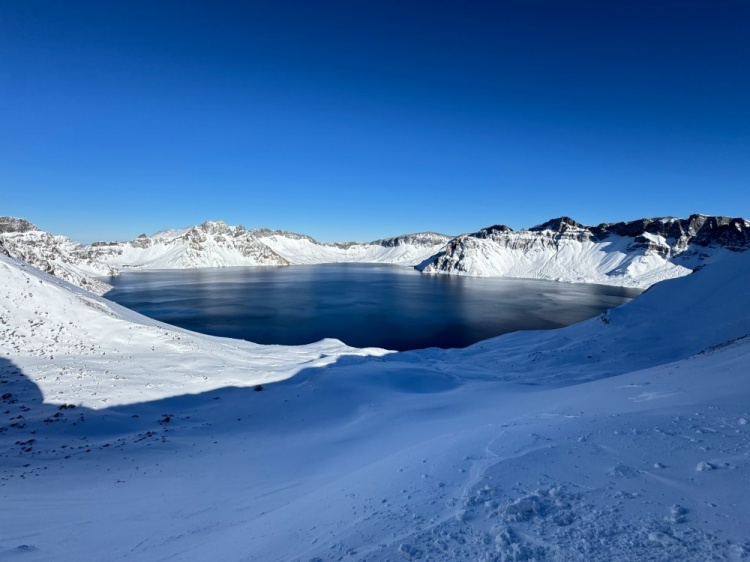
(410, 249)
(671, 321)
(211, 244)
(623, 438)
(86, 350)
(635, 254)
(57, 255)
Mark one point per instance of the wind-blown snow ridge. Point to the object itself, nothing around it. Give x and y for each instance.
(634, 254)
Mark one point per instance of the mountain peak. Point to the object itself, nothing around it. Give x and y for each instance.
(489, 230)
(14, 224)
(560, 224)
(213, 225)
(419, 238)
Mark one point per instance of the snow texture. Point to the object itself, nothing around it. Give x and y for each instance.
(125, 439)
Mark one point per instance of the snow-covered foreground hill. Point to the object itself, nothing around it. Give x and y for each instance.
(626, 437)
(83, 349)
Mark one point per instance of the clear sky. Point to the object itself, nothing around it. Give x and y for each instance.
(358, 119)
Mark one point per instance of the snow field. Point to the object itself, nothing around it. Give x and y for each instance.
(621, 438)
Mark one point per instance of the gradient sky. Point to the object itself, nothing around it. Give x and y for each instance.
(358, 119)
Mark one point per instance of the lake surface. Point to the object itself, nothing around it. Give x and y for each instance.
(361, 304)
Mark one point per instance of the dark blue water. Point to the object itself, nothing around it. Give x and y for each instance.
(362, 305)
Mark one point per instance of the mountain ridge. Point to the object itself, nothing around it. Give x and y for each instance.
(209, 244)
(635, 253)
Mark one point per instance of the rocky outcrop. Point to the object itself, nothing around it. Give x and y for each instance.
(267, 233)
(701, 230)
(418, 239)
(560, 225)
(15, 225)
(210, 244)
(491, 231)
(56, 255)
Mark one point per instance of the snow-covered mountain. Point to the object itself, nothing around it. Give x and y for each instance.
(635, 254)
(623, 438)
(211, 244)
(56, 255)
(215, 244)
(409, 249)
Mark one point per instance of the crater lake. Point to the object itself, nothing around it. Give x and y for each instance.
(363, 305)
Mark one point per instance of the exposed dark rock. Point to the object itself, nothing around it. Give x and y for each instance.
(267, 232)
(13, 224)
(490, 230)
(140, 242)
(640, 242)
(701, 230)
(561, 224)
(418, 239)
(733, 234)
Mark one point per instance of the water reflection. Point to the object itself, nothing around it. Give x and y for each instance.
(360, 304)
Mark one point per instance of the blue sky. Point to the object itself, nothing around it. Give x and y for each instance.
(357, 119)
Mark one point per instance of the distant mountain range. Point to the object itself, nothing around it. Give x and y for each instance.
(215, 244)
(635, 254)
(210, 244)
